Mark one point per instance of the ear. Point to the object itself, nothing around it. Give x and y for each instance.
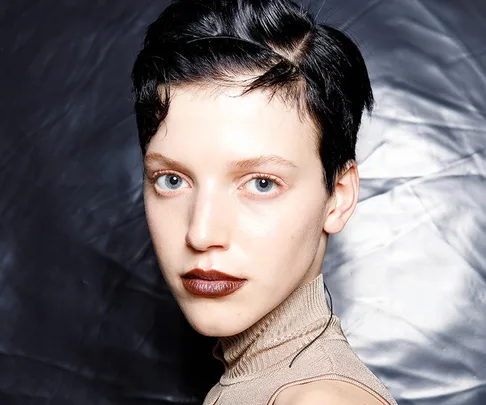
(342, 203)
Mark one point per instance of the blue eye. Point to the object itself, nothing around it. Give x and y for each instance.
(170, 182)
(261, 184)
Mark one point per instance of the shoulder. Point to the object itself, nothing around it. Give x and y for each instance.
(325, 392)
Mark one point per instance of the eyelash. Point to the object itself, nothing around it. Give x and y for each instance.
(274, 179)
(153, 179)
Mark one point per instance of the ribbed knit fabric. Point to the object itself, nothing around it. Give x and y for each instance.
(257, 359)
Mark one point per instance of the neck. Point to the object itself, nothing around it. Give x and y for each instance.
(278, 336)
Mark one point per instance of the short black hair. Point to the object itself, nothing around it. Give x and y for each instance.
(293, 56)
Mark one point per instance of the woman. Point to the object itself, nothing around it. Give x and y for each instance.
(247, 113)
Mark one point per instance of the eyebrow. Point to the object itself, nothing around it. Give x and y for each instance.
(157, 158)
(261, 161)
(245, 164)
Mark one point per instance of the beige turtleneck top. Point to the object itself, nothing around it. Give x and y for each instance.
(257, 360)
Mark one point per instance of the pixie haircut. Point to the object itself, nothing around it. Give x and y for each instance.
(279, 45)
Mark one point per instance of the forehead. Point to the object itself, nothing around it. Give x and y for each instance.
(220, 119)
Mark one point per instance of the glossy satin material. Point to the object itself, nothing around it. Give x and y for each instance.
(85, 317)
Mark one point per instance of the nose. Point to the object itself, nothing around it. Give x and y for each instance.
(210, 223)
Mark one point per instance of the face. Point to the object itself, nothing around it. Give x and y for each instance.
(233, 184)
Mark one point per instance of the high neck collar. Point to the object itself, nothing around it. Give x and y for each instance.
(277, 336)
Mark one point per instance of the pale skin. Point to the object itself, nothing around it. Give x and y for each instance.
(234, 183)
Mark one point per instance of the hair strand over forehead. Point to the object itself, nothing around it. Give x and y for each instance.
(315, 67)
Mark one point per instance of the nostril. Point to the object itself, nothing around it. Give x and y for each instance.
(203, 241)
(208, 227)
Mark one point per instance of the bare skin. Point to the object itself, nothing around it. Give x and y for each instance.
(325, 392)
(234, 183)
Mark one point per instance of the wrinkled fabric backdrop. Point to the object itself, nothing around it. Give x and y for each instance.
(85, 317)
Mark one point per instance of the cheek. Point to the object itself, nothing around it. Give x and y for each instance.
(166, 225)
(302, 233)
(257, 225)
(282, 232)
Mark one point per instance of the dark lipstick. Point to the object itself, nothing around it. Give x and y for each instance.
(211, 283)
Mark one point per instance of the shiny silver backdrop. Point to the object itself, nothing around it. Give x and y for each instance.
(85, 317)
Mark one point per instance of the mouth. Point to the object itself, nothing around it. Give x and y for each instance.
(211, 283)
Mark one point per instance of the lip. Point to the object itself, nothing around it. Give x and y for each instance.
(211, 283)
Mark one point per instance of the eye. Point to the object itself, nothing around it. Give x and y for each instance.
(170, 182)
(262, 185)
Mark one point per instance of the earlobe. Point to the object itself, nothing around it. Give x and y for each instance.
(343, 202)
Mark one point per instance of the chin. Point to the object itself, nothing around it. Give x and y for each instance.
(215, 327)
